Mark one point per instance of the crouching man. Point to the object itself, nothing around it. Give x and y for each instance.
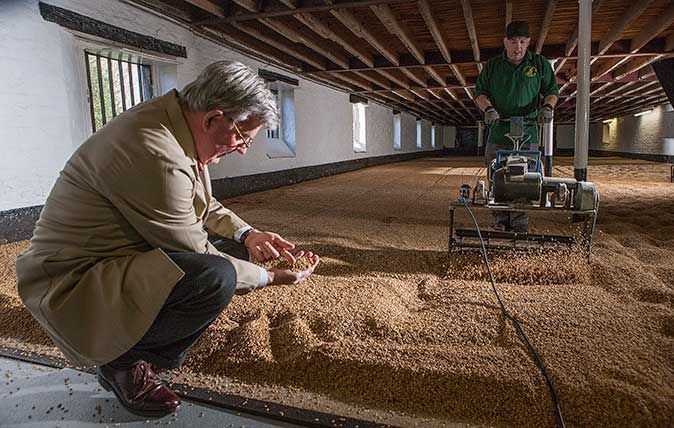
(119, 271)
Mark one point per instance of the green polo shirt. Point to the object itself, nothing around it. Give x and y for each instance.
(514, 89)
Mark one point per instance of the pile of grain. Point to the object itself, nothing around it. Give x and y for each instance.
(390, 329)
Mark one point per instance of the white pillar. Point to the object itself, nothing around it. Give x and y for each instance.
(583, 94)
(480, 133)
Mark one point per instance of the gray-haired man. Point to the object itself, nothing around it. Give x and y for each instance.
(120, 272)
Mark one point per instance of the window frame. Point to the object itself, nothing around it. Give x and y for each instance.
(362, 128)
(86, 42)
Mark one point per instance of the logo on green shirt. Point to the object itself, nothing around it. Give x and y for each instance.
(530, 71)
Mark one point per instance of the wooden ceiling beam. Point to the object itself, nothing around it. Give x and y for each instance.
(458, 100)
(272, 41)
(208, 7)
(635, 10)
(345, 77)
(669, 42)
(379, 82)
(547, 19)
(407, 72)
(440, 41)
(450, 105)
(251, 6)
(508, 12)
(470, 25)
(657, 25)
(636, 65)
(395, 27)
(315, 45)
(608, 66)
(393, 78)
(324, 31)
(252, 47)
(352, 23)
(646, 73)
(435, 75)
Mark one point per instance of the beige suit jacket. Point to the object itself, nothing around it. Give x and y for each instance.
(96, 273)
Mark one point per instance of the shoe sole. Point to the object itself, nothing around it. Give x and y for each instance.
(148, 413)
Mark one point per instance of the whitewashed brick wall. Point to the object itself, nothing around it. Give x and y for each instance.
(44, 116)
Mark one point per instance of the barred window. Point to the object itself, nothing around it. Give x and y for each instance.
(116, 81)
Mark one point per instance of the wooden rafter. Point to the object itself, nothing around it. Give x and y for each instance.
(352, 23)
(272, 41)
(418, 80)
(395, 27)
(508, 12)
(636, 65)
(440, 41)
(623, 22)
(653, 28)
(472, 34)
(256, 14)
(669, 42)
(547, 19)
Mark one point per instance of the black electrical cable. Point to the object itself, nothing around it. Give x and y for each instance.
(518, 327)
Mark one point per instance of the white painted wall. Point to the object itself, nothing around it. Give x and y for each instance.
(448, 136)
(44, 115)
(565, 136)
(652, 133)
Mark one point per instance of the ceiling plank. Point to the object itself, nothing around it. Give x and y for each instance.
(292, 34)
(440, 41)
(435, 75)
(470, 24)
(319, 27)
(272, 41)
(637, 8)
(508, 12)
(657, 25)
(352, 23)
(636, 65)
(380, 82)
(547, 19)
(208, 7)
(419, 81)
(608, 66)
(345, 77)
(393, 78)
(386, 16)
(251, 6)
(669, 42)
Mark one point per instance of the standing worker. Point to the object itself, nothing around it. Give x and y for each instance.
(510, 85)
(119, 271)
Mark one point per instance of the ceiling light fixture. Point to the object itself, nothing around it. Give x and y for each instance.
(641, 113)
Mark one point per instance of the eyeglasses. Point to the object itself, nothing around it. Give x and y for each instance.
(245, 141)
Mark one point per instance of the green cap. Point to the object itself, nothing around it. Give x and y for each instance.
(517, 29)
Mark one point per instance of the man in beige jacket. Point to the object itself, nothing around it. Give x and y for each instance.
(120, 271)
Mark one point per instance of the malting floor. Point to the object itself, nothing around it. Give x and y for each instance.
(393, 329)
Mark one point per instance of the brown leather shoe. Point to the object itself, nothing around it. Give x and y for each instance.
(139, 389)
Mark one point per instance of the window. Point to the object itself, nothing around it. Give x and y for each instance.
(418, 134)
(281, 139)
(116, 81)
(274, 133)
(359, 143)
(433, 131)
(396, 131)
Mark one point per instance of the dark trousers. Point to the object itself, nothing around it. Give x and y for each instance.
(193, 304)
(517, 221)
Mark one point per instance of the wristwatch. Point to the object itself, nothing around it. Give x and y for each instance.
(244, 235)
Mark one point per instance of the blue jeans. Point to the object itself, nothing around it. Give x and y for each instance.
(193, 304)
